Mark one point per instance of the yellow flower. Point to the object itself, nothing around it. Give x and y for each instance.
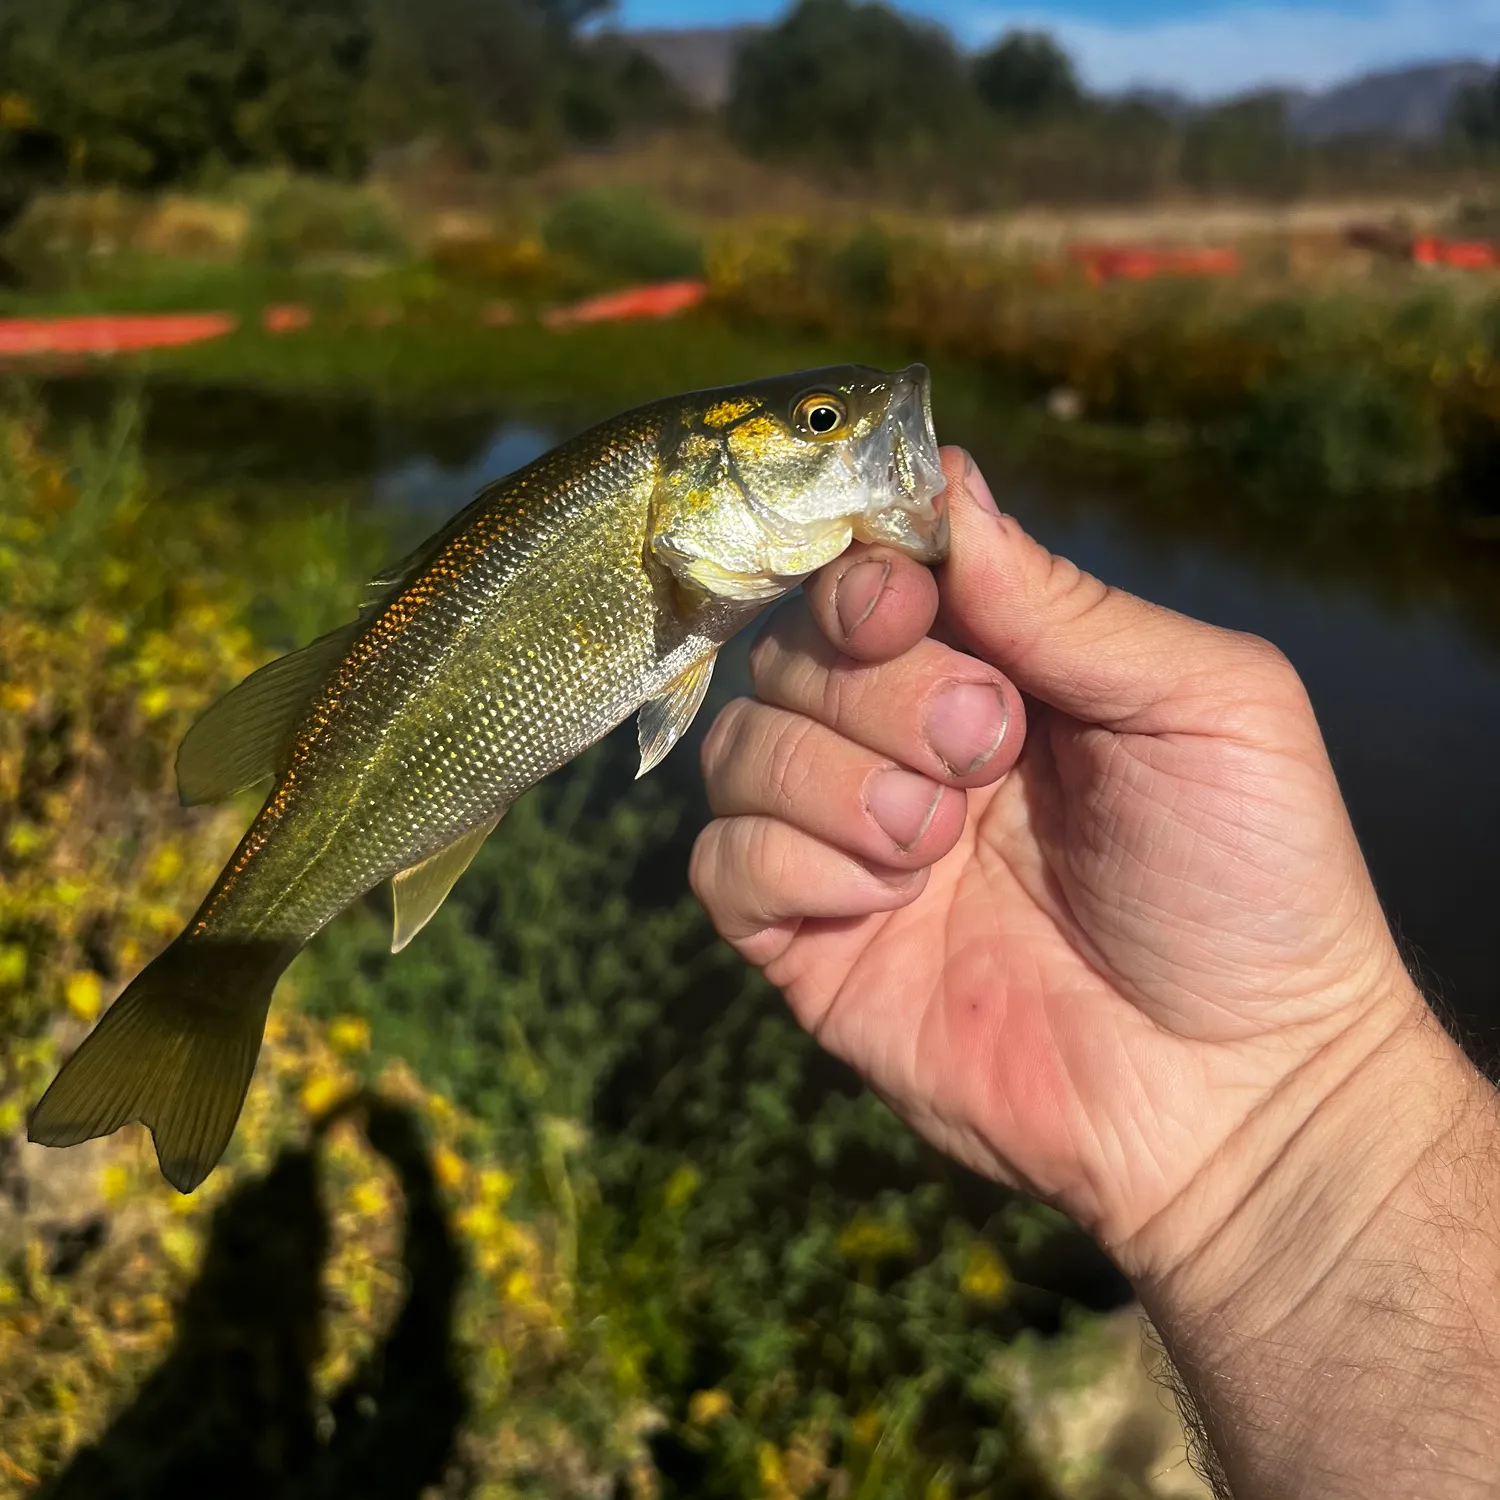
(166, 865)
(984, 1277)
(867, 1427)
(873, 1240)
(16, 113)
(494, 1187)
(82, 995)
(449, 1166)
(12, 964)
(705, 1407)
(368, 1198)
(771, 1473)
(156, 701)
(319, 1092)
(114, 1182)
(181, 1245)
(681, 1186)
(349, 1034)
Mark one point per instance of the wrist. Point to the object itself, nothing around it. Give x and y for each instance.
(1314, 1161)
(1333, 1302)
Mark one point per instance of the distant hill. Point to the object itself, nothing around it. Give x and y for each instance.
(1410, 103)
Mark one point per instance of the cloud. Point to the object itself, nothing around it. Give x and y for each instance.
(1246, 46)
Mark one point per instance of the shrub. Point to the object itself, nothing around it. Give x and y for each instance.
(1342, 432)
(623, 232)
(294, 220)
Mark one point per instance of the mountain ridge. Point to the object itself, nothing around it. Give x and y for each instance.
(1409, 102)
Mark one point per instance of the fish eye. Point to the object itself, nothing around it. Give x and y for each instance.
(821, 414)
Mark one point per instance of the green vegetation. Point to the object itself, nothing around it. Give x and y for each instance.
(859, 92)
(841, 86)
(148, 94)
(1026, 77)
(1474, 121)
(156, 93)
(599, 1212)
(1370, 398)
(622, 233)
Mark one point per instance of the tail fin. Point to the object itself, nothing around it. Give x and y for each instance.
(175, 1051)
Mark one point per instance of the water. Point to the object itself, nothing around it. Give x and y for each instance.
(1400, 654)
(1409, 703)
(1408, 698)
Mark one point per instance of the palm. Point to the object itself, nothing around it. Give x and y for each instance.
(1034, 1011)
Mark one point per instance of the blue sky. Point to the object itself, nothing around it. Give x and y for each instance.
(1203, 47)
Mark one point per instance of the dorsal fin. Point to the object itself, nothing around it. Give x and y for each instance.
(394, 577)
(419, 891)
(241, 740)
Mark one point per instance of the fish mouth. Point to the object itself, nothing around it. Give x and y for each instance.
(914, 472)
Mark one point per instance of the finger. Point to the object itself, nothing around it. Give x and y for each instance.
(763, 761)
(1095, 652)
(758, 878)
(873, 603)
(934, 709)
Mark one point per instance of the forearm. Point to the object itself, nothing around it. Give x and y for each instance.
(1338, 1327)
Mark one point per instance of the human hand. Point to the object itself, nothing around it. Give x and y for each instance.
(1070, 881)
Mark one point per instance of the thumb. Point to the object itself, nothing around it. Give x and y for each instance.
(1095, 652)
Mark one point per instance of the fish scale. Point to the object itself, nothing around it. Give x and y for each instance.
(597, 582)
(473, 694)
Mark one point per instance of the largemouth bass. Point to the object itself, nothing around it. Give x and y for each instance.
(597, 582)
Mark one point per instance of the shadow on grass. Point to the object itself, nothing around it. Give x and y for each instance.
(231, 1413)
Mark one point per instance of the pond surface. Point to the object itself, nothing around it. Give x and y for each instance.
(1403, 669)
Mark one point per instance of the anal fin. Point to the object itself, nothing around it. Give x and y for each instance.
(419, 891)
(664, 720)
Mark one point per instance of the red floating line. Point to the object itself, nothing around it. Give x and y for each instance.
(665, 299)
(285, 317)
(119, 334)
(1460, 255)
(1143, 262)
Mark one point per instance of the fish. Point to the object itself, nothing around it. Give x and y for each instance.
(597, 582)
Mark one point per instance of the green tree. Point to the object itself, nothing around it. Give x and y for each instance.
(1245, 146)
(145, 92)
(1474, 117)
(1026, 77)
(841, 85)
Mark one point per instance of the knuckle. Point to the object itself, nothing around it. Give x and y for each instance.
(772, 857)
(703, 864)
(721, 737)
(836, 695)
(1268, 663)
(1071, 593)
(788, 759)
(764, 652)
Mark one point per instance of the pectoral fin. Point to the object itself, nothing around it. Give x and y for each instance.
(419, 891)
(664, 720)
(243, 737)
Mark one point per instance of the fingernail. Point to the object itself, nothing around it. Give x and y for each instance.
(977, 488)
(966, 724)
(903, 804)
(857, 593)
